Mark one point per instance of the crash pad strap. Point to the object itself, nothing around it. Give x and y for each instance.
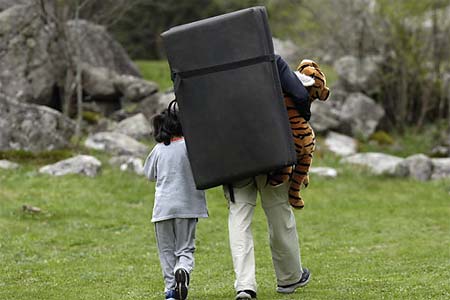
(177, 75)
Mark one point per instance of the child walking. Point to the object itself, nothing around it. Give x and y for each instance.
(178, 204)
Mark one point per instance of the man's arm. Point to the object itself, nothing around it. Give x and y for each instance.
(293, 87)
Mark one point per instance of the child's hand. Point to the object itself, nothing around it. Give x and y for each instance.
(310, 71)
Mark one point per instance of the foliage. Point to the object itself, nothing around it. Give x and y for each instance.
(94, 239)
(407, 142)
(91, 117)
(142, 39)
(382, 138)
(416, 57)
(410, 37)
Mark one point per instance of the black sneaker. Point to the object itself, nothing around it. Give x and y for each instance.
(287, 289)
(182, 283)
(245, 294)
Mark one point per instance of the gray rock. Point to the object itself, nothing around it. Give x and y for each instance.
(134, 89)
(324, 116)
(128, 163)
(441, 168)
(104, 124)
(27, 72)
(340, 144)
(8, 165)
(116, 143)
(98, 83)
(136, 127)
(440, 151)
(324, 172)
(5, 4)
(418, 166)
(377, 163)
(155, 104)
(104, 85)
(360, 115)
(32, 67)
(80, 164)
(100, 49)
(358, 75)
(33, 127)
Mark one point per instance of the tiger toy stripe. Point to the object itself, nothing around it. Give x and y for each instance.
(303, 135)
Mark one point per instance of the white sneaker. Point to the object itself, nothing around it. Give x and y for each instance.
(245, 294)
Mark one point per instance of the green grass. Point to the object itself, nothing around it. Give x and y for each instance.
(157, 71)
(362, 236)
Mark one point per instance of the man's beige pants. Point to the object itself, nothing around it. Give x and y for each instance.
(283, 235)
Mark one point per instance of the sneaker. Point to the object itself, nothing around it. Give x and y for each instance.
(287, 289)
(182, 283)
(171, 295)
(245, 294)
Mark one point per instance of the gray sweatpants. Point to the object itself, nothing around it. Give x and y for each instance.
(176, 246)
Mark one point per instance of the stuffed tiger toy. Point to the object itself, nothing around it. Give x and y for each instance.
(304, 139)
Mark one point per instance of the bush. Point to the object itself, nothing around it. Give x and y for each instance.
(382, 138)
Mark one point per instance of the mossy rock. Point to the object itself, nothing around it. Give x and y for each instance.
(92, 117)
(382, 138)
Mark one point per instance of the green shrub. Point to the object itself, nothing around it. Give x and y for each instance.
(382, 138)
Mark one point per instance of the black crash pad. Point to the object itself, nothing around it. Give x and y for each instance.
(230, 99)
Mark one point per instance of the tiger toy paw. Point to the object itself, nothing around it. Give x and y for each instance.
(305, 182)
(296, 203)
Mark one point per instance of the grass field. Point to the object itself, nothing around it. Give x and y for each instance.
(362, 236)
(156, 70)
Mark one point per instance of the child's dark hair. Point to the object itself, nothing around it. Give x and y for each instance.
(166, 125)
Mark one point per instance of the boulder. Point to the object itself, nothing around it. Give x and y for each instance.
(128, 163)
(441, 168)
(443, 148)
(5, 4)
(360, 115)
(80, 164)
(109, 90)
(33, 127)
(27, 72)
(440, 151)
(32, 64)
(134, 89)
(324, 116)
(136, 127)
(103, 124)
(418, 166)
(324, 172)
(8, 165)
(116, 143)
(98, 83)
(340, 144)
(100, 49)
(155, 104)
(377, 163)
(358, 75)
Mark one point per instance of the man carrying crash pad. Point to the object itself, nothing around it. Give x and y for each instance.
(229, 88)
